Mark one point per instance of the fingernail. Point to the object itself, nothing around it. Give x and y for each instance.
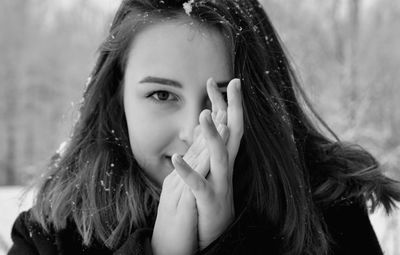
(213, 84)
(238, 84)
(213, 81)
(177, 159)
(208, 117)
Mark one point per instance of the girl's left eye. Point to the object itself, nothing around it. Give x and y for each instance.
(162, 96)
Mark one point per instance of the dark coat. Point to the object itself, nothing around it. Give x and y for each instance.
(348, 224)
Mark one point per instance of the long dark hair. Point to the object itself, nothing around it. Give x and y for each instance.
(289, 168)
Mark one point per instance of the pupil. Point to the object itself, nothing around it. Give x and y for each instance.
(163, 95)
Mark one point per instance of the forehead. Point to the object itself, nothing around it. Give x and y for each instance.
(177, 46)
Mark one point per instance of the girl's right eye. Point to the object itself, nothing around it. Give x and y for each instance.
(162, 96)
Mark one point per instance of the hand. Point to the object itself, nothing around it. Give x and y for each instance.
(214, 195)
(197, 156)
(175, 229)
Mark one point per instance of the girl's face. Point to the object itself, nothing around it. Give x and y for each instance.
(165, 89)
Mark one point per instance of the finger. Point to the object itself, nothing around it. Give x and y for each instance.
(199, 161)
(187, 201)
(216, 147)
(220, 118)
(235, 119)
(198, 146)
(223, 132)
(170, 181)
(216, 98)
(197, 156)
(194, 180)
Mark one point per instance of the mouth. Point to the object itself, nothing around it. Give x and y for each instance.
(169, 160)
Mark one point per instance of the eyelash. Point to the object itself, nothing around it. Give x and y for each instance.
(158, 101)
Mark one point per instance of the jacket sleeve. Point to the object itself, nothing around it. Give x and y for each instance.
(351, 230)
(137, 243)
(348, 225)
(243, 237)
(28, 238)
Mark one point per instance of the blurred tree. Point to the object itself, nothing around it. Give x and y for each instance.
(14, 26)
(352, 61)
(47, 54)
(346, 54)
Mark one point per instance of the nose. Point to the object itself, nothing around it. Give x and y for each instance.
(188, 123)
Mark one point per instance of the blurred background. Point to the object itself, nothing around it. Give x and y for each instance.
(345, 51)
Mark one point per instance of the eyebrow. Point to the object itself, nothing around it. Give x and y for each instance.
(173, 83)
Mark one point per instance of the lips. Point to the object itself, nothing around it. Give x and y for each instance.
(169, 161)
(168, 158)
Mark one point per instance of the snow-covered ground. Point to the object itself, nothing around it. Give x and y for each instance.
(387, 228)
(12, 202)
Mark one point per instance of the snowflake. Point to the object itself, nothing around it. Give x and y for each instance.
(188, 7)
(62, 148)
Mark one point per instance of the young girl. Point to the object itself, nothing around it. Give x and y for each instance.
(191, 139)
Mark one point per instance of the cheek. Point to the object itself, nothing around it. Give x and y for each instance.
(148, 133)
